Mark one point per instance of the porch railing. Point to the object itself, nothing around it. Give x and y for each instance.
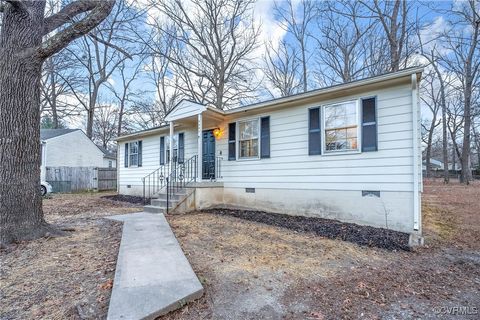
(162, 178)
(213, 171)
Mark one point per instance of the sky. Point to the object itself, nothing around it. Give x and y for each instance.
(271, 31)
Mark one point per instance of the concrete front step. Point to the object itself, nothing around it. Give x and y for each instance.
(163, 203)
(163, 196)
(154, 209)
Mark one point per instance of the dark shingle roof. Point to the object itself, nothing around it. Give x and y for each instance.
(107, 153)
(46, 134)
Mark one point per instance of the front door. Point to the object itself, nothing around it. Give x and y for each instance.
(208, 155)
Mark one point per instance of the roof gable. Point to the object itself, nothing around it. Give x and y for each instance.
(46, 134)
(184, 109)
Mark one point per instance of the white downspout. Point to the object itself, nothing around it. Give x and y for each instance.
(416, 155)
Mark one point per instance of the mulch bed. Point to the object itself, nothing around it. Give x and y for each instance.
(125, 198)
(362, 235)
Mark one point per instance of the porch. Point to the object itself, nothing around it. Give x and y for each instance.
(192, 152)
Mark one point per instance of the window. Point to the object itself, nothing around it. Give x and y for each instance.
(110, 163)
(133, 153)
(248, 134)
(341, 127)
(166, 142)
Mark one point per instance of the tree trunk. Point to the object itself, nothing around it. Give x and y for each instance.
(466, 173)
(91, 111)
(53, 96)
(304, 67)
(21, 218)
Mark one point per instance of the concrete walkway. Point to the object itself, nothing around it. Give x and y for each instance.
(153, 276)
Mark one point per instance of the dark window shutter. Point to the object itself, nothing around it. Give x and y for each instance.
(162, 151)
(125, 160)
(231, 141)
(369, 125)
(314, 132)
(140, 153)
(265, 137)
(181, 148)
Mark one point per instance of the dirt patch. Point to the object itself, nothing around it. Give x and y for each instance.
(68, 277)
(332, 229)
(254, 270)
(126, 198)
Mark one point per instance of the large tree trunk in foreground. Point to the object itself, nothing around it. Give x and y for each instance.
(21, 203)
(22, 54)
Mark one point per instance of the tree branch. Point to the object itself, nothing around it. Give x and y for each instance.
(17, 4)
(59, 41)
(111, 45)
(67, 13)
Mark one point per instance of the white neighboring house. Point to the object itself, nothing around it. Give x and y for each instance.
(349, 152)
(72, 148)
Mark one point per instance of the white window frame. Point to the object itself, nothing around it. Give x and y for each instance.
(130, 154)
(167, 146)
(324, 128)
(237, 138)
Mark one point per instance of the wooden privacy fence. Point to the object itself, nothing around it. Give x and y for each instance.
(74, 179)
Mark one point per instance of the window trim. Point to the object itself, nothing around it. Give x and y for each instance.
(167, 152)
(324, 128)
(130, 154)
(237, 136)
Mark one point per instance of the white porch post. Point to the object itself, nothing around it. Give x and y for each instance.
(199, 141)
(171, 146)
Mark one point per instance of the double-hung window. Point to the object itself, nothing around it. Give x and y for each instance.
(248, 138)
(133, 153)
(341, 127)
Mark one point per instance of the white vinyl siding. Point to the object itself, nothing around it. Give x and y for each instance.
(290, 166)
(151, 156)
(73, 149)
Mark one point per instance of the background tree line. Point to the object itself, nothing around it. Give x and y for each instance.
(131, 69)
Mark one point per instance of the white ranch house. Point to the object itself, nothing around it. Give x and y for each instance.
(349, 152)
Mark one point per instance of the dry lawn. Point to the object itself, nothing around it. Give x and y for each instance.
(253, 271)
(68, 277)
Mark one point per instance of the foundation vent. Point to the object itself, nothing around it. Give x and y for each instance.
(370, 193)
(250, 190)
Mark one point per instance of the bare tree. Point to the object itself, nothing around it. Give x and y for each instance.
(393, 17)
(56, 95)
(432, 99)
(282, 68)
(431, 53)
(22, 53)
(463, 42)
(344, 53)
(145, 115)
(105, 125)
(297, 19)
(215, 44)
(123, 91)
(99, 54)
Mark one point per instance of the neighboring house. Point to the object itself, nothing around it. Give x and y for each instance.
(109, 158)
(349, 152)
(434, 165)
(71, 148)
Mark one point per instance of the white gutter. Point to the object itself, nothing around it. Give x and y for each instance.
(416, 155)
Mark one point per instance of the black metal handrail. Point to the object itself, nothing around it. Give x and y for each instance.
(180, 177)
(154, 182)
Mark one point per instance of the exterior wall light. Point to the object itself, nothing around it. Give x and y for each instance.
(217, 133)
